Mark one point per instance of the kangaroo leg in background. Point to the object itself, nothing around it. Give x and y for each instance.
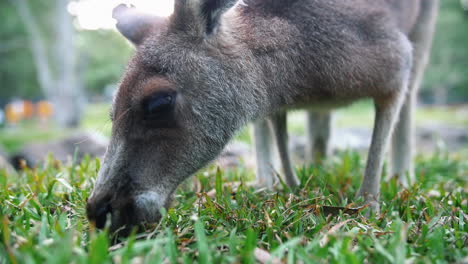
(403, 143)
(279, 127)
(403, 139)
(318, 133)
(264, 151)
(386, 114)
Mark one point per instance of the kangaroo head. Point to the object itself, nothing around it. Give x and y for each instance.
(184, 94)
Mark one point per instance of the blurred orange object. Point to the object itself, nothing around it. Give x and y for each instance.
(45, 110)
(28, 109)
(14, 112)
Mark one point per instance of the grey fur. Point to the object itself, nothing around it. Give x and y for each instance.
(262, 58)
(264, 152)
(403, 138)
(278, 123)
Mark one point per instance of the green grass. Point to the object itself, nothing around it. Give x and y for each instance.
(12, 139)
(95, 119)
(42, 218)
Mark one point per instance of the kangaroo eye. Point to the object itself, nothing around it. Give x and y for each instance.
(159, 103)
(158, 109)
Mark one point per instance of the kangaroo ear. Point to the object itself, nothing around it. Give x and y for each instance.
(135, 25)
(200, 17)
(212, 11)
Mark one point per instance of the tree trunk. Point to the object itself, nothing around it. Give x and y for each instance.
(37, 46)
(60, 88)
(68, 97)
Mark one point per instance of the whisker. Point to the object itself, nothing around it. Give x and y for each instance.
(122, 115)
(104, 126)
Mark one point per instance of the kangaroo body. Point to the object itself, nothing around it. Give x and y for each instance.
(215, 65)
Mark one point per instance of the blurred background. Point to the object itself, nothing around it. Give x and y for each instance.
(61, 62)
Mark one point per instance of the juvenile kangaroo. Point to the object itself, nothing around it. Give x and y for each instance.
(215, 65)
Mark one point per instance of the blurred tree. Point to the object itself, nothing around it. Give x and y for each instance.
(17, 74)
(60, 86)
(102, 54)
(465, 5)
(446, 79)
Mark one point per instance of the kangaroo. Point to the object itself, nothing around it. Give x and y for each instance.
(213, 66)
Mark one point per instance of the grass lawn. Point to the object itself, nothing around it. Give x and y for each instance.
(42, 218)
(42, 212)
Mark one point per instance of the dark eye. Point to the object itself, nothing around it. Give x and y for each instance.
(158, 104)
(159, 109)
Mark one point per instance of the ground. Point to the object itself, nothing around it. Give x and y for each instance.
(217, 218)
(43, 218)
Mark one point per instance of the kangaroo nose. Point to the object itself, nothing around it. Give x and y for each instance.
(98, 212)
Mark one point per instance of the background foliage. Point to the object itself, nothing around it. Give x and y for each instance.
(102, 55)
(446, 79)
